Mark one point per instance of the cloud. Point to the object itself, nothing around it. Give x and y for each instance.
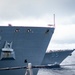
(64, 34)
(43, 20)
(40, 12)
(16, 9)
(63, 38)
(56, 46)
(68, 20)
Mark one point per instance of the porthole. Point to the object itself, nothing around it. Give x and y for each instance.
(29, 30)
(17, 30)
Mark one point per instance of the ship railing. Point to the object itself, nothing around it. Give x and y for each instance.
(29, 68)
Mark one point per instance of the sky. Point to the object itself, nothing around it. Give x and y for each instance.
(40, 12)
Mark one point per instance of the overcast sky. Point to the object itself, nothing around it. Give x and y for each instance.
(40, 12)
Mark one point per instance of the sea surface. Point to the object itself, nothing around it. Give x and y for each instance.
(65, 70)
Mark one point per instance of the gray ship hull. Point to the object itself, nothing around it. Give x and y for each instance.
(54, 57)
(22, 45)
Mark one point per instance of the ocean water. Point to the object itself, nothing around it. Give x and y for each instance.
(55, 72)
(66, 70)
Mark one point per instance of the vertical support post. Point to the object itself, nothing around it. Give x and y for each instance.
(29, 70)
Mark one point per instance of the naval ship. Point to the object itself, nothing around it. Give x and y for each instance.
(56, 56)
(20, 45)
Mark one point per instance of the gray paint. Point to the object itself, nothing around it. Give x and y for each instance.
(27, 44)
(56, 56)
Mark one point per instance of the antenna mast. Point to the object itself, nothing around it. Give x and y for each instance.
(54, 19)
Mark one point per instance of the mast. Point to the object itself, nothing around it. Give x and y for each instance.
(54, 19)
